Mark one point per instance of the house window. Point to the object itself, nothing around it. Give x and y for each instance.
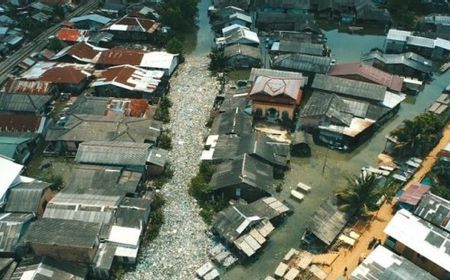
(238, 192)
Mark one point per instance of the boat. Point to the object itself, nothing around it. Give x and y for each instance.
(303, 187)
(298, 195)
(444, 67)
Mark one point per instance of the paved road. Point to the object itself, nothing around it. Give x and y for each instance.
(38, 43)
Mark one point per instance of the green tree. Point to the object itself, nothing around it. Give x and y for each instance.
(404, 11)
(218, 60)
(165, 140)
(417, 137)
(58, 11)
(55, 45)
(360, 195)
(179, 14)
(175, 46)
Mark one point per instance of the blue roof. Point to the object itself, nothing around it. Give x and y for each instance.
(94, 17)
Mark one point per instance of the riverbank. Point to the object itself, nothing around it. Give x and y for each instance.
(182, 244)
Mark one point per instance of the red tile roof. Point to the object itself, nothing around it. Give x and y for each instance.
(70, 35)
(369, 73)
(27, 87)
(19, 122)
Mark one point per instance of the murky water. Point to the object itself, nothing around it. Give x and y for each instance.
(324, 176)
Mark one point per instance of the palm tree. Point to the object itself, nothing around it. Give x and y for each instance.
(359, 197)
(416, 137)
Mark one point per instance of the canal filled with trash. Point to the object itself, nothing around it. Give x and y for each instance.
(326, 170)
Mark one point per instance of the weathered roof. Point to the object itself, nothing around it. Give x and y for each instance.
(113, 153)
(243, 170)
(58, 232)
(83, 207)
(327, 222)
(12, 227)
(120, 56)
(82, 128)
(134, 24)
(91, 17)
(327, 105)
(413, 194)
(230, 146)
(236, 35)
(431, 242)
(10, 143)
(20, 122)
(83, 52)
(157, 156)
(272, 88)
(243, 50)
(108, 106)
(398, 35)
(23, 102)
(130, 78)
(237, 220)
(92, 180)
(49, 269)
(282, 4)
(434, 209)
(383, 264)
(298, 47)
(27, 87)
(232, 122)
(268, 18)
(368, 72)
(26, 197)
(302, 63)
(132, 212)
(59, 73)
(348, 87)
(409, 59)
(256, 72)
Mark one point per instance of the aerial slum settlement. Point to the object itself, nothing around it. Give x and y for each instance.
(86, 112)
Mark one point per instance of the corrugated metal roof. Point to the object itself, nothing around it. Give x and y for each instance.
(368, 72)
(243, 170)
(58, 232)
(327, 222)
(302, 63)
(113, 153)
(12, 227)
(99, 128)
(91, 17)
(130, 78)
(26, 197)
(255, 72)
(23, 102)
(157, 156)
(435, 210)
(348, 87)
(431, 242)
(49, 269)
(383, 264)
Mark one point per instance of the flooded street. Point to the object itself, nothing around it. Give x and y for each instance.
(325, 176)
(325, 170)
